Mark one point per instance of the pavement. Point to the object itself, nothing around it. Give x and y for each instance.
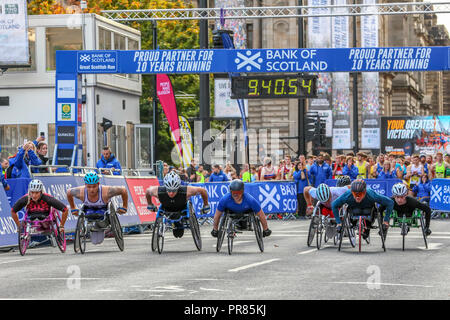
(287, 269)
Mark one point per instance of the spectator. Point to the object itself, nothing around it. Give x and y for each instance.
(165, 169)
(278, 170)
(302, 178)
(423, 161)
(41, 150)
(206, 175)
(362, 165)
(338, 166)
(439, 167)
(327, 159)
(25, 156)
(288, 168)
(233, 175)
(414, 171)
(350, 169)
(229, 170)
(387, 172)
(372, 167)
(245, 174)
(108, 161)
(218, 175)
(320, 171)
(191, 171)
(423, 189)
(309, 162)
(254, 174)
(400, 168)
(200, 174)
(183, 175)
(268, 171)
(5, 165)
(379, 166)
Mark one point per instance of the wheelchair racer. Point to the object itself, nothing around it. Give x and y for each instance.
(38, 203)
(237, 201)
(95, 198)
(405, 205)
(362, 200)
(174, 198)
(326, 195)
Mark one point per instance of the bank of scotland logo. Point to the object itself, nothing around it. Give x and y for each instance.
(269, 197)
(85, 58)
(436, 194)
(248, 60)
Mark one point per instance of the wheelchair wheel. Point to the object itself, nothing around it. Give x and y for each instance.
(155, 234)
(422, 226)
(221, 232)
(312, 230)
(319, 232)
(380, 226)
(230, 235)
(258, 232)
(60, 237)
(80, 235)
(360, 227)
(195, 228)
(24, 238)
(116, 228)
(160, 235)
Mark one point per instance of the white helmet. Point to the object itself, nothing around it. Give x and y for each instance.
(36, 186)
(172, 181)
(399, 189)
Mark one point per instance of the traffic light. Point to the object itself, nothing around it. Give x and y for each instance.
(217, 37)
(322, 132)
(106, 124)
(311, 129)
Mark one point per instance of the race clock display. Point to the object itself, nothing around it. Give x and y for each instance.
(273, 87)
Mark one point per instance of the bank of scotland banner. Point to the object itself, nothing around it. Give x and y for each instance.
(274, 197)
(440, 195)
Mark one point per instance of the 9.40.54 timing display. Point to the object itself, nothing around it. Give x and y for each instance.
(270, 87)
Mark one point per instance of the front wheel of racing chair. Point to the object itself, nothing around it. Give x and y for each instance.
(319, 229)
(24, 238)
(116, 228)
(313, 225)
(422, 226)
(347, 228)
(256, 223)
(382, 233)
(158, 235)
(194, 226)
(231, 232)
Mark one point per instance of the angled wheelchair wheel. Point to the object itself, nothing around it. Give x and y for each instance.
(258, 232)
(60, 237)
(422, 226)
(312, 230)
(195, 227)
(160, 235)
(221, 232)
(230, 235)
(80, 235)
(24, 238)
(381, 232)
(158, 221)
(116, 228)
(319, 232)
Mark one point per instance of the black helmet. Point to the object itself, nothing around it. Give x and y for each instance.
(343, 181)
(237, 185)
(358, 185)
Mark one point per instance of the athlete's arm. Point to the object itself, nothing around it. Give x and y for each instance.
(22, 202)
(112, 191)
(75, 193)
(193, 191)
(339, 202)
(307, 196)
(151, 192)
(58, 205)
(385, 202)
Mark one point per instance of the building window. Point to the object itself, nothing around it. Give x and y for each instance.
(250, 36)
(133, 45)
(14, 135)
(119, 42)
(61, 39)
(104, 39)
(32, 49)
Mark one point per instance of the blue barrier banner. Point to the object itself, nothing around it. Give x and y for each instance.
(274, 197)
(440, 195)
(383, 187)
(390, 59)
(8, 228)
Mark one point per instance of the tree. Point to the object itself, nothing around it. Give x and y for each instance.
(171, 35)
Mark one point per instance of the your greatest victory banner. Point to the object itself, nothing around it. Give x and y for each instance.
(262, 60)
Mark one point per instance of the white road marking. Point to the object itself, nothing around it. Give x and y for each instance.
(252, 265)
(432, 246)
(210, 289)
(18, 260)
(385, 284)
(107, 290)
(44, 279)
(308, 251)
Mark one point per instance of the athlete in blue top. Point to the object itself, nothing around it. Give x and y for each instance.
(359, 198)
(239, 202)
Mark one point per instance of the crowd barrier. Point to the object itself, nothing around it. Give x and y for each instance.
(383, 187)
(8, 228)
(440, 195)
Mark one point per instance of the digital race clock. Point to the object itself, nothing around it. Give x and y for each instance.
(270, 87)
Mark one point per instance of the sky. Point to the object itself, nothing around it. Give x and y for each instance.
(443, 18)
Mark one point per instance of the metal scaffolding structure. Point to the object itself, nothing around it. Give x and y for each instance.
(279, 12)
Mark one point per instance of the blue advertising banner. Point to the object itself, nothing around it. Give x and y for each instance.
(383, 187)
(255, 60)
(274, 197)
(440, 195)
(8, 228)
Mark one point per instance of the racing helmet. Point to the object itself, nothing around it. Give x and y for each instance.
(343, 181)
(35, 186)
(358, 185)
(172, 181)
(91, 178)
(399, 189)
(237, 185)
(323, 192)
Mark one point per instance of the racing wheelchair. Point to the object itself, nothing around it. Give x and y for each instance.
(44, 225)
(405, 223)
(230, 222)
(164, 219)
(321, 225)
(98, 220)
(355, 221)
